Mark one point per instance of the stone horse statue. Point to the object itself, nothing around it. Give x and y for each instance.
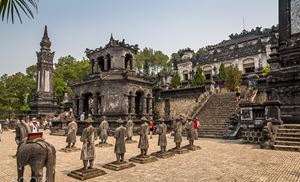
(38, 154)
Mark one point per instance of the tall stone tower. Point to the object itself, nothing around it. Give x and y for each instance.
(44, 103)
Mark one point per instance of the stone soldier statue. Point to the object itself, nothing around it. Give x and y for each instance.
(71, 133)
(162, 132)
(129, 129)
(178, 132)
(143, 132)
(88, 137)
(120, 141)
(191, 136)
(103, 130)
(22, 130)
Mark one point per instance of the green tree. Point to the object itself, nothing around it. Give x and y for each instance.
(150, 62)
(199, 78)
(222, 74)
(68, 70)
(233, 77)
(201, 52)
(265, 71)
(11, 8)
(175, 57)
(175, 82)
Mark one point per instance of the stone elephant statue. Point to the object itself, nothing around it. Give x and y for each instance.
(38, 154)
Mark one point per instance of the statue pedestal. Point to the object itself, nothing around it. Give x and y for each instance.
(84, 174)
(179, 151)
(192, 148)
(163, 155)
(102, 145)
(117, 166)
(143, 159)
(71, 149)
(130, 141)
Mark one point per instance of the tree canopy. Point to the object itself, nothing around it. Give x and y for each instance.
(11, 8)
(150, 62)
(198, 78)
(222, 74)
(233, 77)
(175, 82)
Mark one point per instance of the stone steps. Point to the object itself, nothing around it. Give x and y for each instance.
(287, 148)
(214, 115)
(288, 138)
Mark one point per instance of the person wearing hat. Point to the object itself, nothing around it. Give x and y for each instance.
(88, 137)
(190, 132)
(71, 133)
(129, 128)
(120, 141)
(103, 130)
(151, 127)
(143, 132)
(162, 132)
(178, 132)
(35, 127)
(196, 126)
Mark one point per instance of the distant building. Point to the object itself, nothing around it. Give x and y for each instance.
(249, 51)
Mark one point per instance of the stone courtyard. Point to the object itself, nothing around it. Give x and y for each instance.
(218, 160)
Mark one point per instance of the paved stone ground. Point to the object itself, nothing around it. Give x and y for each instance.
(218, 160)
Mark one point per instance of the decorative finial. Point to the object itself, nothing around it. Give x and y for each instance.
(111, 37)
(45, 43)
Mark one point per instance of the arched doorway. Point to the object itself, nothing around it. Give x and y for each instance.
(101, 63)
(88, 103)
(128, 62)
(108, 62)
(138, 104)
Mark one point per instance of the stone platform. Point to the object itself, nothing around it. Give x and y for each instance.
(163, 155)
(85, 174)
(181, 150)
(118, 166)
(192, 148)
(143, 159)
(103, 145)
(130, 141)
(71, 149)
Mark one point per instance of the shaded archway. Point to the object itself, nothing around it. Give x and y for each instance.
(108, 62)
(128, 62)
(87, 103)
(129, 103)
(100, 63)
(139, 103)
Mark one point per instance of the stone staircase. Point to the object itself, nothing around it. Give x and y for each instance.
(214, 115)
(288, 137)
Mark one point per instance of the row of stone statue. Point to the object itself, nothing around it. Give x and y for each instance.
(123, 134)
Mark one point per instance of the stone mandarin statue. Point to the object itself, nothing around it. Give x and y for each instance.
(71, 133)
(129, 129)
(162, 132)
(89, 135)
(120, 141)
(103, 130)
(143, 132)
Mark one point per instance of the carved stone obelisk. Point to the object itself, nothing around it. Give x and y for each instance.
(44, 103)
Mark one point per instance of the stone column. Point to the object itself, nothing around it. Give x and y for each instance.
(102, 105)
(144, 106)
(95, 105)
(150, 105)
(97, 67)
(125, 104)
(105, 64)
(133, 64)
(92, 67)
(133, 104)
(81, 100)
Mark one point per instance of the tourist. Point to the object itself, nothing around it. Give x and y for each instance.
(196, 126)
(34, 127)
(82, 116)
(151, 127)
(237, 93)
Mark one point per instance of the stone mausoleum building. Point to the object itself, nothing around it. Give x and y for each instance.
(248, 50)
(113, 89)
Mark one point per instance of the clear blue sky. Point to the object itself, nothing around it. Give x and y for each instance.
(166, 25)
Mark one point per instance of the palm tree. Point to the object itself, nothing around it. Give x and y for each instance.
(11, 8)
